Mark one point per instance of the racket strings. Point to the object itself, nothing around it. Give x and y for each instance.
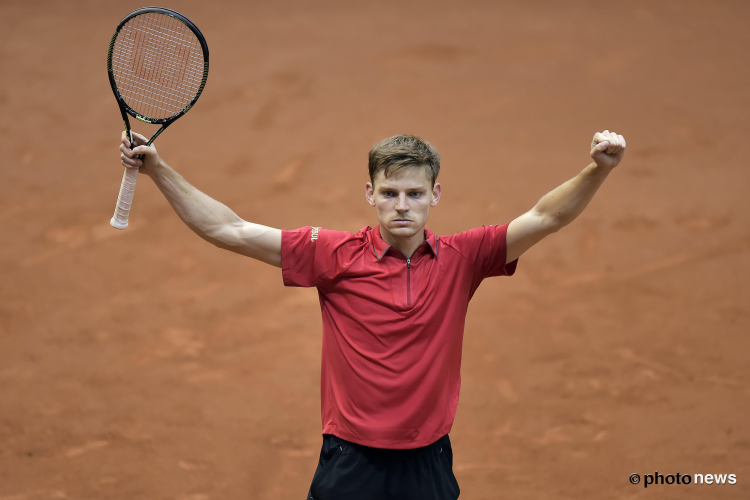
(158, 65)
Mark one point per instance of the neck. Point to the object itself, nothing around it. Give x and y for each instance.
(406, 245)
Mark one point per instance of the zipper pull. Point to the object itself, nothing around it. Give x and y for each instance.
(408, 262)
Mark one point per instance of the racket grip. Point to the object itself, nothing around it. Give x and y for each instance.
(125, 199)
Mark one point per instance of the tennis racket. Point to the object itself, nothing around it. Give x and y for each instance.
(158, 66)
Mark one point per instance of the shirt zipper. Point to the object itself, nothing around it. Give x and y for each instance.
(408, 282)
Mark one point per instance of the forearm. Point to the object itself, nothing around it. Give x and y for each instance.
(563, 204)
(209, 219)
(566, 202)
(200, 212)
(215, 222)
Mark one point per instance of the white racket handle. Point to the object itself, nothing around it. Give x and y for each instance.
(125, 199)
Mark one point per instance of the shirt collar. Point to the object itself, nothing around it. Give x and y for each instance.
(380, 247)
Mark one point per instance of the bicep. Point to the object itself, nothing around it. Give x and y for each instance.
(526, 231)
(260, 242)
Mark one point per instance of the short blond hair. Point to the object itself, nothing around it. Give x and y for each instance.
(403, 151)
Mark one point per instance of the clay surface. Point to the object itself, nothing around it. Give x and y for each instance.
(147, 364)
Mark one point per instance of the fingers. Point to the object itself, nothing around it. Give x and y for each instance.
(126, 151)
(129, 157)
(615, 143)
(138, 139)
(131, 163)
(135, 157)
(124, 139)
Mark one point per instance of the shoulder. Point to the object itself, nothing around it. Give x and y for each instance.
(465, 239)
(469, 243)
(313, 256)
(322, 237)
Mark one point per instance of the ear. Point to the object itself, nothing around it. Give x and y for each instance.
(437, 191)
(369, 193)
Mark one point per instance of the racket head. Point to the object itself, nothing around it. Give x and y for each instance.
(157, 64)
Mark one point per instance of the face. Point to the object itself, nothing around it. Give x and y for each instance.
(403, 200)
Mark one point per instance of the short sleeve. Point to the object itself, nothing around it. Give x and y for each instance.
(485, 247)
(494, 251)
(311, 256)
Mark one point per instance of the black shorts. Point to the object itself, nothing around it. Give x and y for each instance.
(349, 471)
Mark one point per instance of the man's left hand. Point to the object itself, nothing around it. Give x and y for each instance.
(607, 149)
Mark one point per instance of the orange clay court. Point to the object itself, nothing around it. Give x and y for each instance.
(147, 364)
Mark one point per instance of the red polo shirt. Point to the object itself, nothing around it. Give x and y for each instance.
(392, 327)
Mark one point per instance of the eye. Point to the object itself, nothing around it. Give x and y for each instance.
(389, 194)
(415, 194)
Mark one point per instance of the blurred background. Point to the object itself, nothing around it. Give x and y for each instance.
(147, 364)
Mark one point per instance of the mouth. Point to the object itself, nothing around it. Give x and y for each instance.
(401, 221)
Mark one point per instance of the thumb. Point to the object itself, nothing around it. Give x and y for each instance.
(138, 138)
(601, 147)
(144, 150)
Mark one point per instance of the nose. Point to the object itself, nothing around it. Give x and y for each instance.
(401, 206)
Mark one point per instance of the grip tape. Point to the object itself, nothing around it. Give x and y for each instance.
(125, 199)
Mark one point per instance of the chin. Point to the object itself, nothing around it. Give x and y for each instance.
(402, 231)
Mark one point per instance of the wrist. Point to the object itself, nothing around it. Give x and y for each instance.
(598, 169)
(156, 170)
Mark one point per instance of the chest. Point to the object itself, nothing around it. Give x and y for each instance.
(406, 285)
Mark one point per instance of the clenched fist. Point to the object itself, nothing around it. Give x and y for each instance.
(144, 158)
(607, 149)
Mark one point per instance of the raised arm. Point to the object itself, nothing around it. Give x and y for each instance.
(209, 219)
(562, 205)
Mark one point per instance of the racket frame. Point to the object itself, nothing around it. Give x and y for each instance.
(120, 218)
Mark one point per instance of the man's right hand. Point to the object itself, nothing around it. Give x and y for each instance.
(128, 157)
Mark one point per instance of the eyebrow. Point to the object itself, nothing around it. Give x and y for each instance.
(389, 188)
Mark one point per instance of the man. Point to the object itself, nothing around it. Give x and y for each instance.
(394, 301)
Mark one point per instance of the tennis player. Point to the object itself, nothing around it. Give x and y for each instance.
(394, 301)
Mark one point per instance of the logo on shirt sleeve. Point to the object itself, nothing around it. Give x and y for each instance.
(314, 233)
